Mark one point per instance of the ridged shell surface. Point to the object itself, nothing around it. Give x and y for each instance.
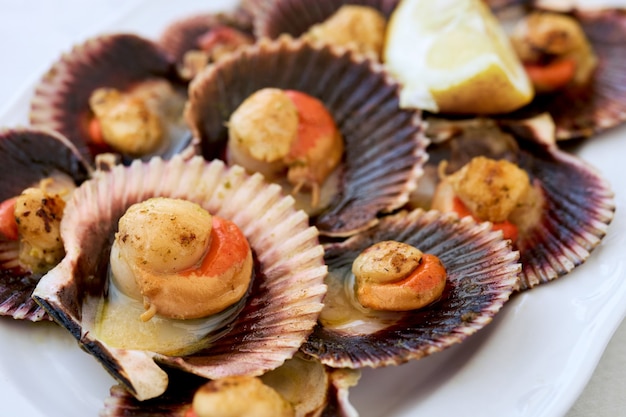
(182, 35)
(579, 207)
(334, 385)
(61, 98)
(384, 145)
(27, 156)
(585, 111)
(578, 202)
(294, 17)
(285, 298)
(482, 271)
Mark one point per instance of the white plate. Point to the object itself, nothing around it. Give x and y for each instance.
(533, 360)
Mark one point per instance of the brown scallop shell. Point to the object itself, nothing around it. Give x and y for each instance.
(295, 17)
(482, 271)
(27, 156)
(384, 144)
(579, 203)
(61, 98)
(279, 312)
(601, 105)
(334, 383)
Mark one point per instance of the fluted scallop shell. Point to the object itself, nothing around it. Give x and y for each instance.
(182, 35)
(579, 202)
(61, 98)
(580, 207)
(285, 297)
(322, 386)
(384, 145)
(499, 6)
(482, 271)
(295, 17)
(27, 156)
(583, 112)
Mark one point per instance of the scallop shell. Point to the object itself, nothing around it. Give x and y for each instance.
(331, 386)
(61, 98)
(482, 272)
(285, 297)
(583, 112)
(295, 17)
(580, 207)
(501, 6)
(182, 35)
(27, 156)
(579, 203)
(385, 145)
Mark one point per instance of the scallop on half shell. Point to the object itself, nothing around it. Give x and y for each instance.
(121, 63)
(310, 387)
(384, 145)
(295, 17)
(203, 38)
(577, 202)
(584, 111)
(268, 326)
(482, 271)
(27, 156)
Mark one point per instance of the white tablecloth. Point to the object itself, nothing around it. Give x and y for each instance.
(34, 32)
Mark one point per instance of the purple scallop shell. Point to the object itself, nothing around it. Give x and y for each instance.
(61, 98)
(482, 273)
(28, 155)
(182, 35)
(586, 111)
(579, 203)
(294, 17)
(384, 144)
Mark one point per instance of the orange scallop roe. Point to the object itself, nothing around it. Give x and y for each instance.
(315, 123)
(552, 76)
(228, 247)
(509, 230)
(318, 147)
(8, 224)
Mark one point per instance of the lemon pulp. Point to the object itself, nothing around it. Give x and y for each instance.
(452, 56)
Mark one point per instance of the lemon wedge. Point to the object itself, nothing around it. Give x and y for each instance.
(452, 56)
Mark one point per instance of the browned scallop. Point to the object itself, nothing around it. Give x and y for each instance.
(482, 271)
(125, 83)
(255, 335)
(295, 17)
(28, 156)
(199, 40)
(577, 204)
(384, 145)
(584, 111)
(310, 387)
